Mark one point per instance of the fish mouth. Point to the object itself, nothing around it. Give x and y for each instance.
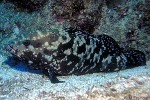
(11, 50)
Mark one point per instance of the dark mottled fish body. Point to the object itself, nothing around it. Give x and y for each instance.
(73, 52)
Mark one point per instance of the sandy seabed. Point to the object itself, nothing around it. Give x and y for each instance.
(17, 83)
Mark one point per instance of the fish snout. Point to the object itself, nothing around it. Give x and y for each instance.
(11, 49)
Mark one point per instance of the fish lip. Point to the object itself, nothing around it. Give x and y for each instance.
(11, 50)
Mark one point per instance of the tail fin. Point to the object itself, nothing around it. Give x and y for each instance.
(134, 58)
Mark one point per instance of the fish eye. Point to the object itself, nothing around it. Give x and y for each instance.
(26, 42)
(64, 37)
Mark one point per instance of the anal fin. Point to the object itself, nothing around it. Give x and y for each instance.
(52, 75)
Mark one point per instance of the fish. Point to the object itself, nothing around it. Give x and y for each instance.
(73, 52)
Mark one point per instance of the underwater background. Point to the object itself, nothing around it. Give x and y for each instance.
(128, 22)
